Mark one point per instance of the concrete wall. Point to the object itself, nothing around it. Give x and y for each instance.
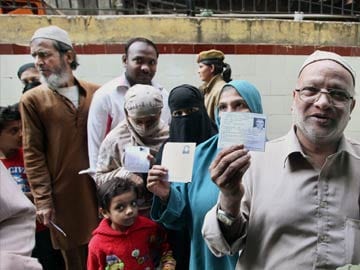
(178, 29)
(268, 53)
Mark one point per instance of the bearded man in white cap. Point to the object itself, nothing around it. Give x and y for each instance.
(295, 206)
(54, 117)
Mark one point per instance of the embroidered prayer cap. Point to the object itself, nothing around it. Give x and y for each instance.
(211, 55)
(52, 32)
(143, 100)
(325, 55)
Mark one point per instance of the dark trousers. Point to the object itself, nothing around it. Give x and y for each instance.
(75, 258)
(49, 258)
(180, 244)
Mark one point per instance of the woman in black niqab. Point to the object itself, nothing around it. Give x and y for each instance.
(189, 123)
(189, 119)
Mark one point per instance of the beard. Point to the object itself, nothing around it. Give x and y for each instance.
(317, 134)
(59, 77)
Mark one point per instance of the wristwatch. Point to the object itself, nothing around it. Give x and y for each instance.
(224, 217)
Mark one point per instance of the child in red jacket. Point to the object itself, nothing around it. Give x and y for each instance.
(124, 240)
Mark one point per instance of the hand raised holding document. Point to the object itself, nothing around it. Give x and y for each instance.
(176, 165)
(226, 172)
(228, 167)
(157, 182)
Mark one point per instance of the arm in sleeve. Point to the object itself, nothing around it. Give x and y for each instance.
(11, 261)
(34, 156)
(227, 240)
(217, 235)
(17, 218)
(94, 259)
(98, 119)
(173, 214)
(109, 163)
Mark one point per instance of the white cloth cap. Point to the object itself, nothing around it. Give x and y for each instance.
(53, 32)
(324, 55)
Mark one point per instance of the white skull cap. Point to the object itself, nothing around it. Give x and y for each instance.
(52, 32)
(324, 55)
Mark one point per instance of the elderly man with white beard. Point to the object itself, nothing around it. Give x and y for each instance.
(54, 117)
(295, 206)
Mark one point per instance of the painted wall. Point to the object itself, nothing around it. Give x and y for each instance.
(268, 53)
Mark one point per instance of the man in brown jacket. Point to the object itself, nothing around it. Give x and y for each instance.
(54, 117)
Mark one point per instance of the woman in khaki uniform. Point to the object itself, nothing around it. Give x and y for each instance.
(214, 72)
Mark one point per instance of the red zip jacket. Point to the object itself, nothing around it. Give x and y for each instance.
(140, 247)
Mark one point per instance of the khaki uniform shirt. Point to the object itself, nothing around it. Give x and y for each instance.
(293, 216)
(212, 94)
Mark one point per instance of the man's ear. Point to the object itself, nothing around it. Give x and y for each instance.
(104, 212)
(124, 59)
(70, 57)
(293, 101)
(352, 106)
(212, 68)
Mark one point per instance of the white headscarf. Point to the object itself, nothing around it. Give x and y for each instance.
(141, 101)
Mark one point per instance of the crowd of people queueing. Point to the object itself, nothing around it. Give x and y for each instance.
(69, 202)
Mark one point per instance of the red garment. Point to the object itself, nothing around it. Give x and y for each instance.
(135, 248)
(16, 167)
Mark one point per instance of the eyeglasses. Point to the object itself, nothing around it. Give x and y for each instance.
(338, 98)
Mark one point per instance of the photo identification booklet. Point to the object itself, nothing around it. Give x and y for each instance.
(178, 158)
(243, 128)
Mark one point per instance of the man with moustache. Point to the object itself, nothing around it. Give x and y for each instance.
(297, 205)
(106, 111)
(54, 117)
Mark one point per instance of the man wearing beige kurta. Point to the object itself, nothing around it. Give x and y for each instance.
(298, 204)
(54, 117)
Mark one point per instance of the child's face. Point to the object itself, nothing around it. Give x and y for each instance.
(10, 137)
(123, 211)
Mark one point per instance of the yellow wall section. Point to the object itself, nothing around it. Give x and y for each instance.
(18, 29)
